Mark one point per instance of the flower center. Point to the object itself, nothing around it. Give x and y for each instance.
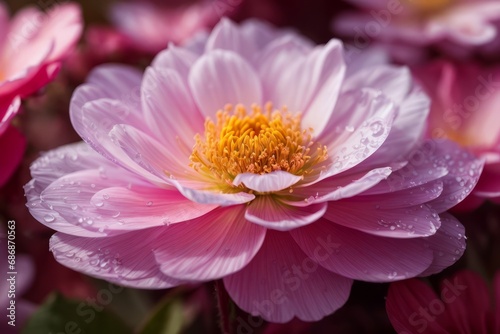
(259, 141)
(430, 6)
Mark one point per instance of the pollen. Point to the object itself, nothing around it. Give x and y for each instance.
(430, 6)
(258, 141)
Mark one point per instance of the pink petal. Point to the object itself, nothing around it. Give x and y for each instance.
(469, 302)
(227, 36)
(8, 110)
(448, 244)
(165, 95)
(115, 81)
(227, 244)
(97, 119)
(223, 77)
(141, 207)
(176, 58)
(119, 259)
(281, 63)
(407, 129)
(404, 304)
(464, 170)
(400, 222)
(148, 153)
(336, 188)
(328, 71)
(360, 255)
(281, 282)
(195, 192)
(264, 183)
(270, 212)
(63, 26)
(366, 139)
(12, 146)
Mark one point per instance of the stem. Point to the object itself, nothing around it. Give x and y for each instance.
(224, 307)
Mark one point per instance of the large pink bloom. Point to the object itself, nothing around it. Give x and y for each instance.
(465, 104)
(464, 305)
(451, 24)
(32, 46)
(187, 174)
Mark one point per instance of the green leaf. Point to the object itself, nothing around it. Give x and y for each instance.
(167, 319)
(59, 315)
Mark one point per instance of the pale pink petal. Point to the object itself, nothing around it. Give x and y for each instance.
(165, 95)
(448, 244)
(223, 77)
(227, 36)
(404, 301)
(12, 146)
(115, 81)
(177, 58)
(263, 183)
(280, 285)
(336, 188)
(210, 247)
(119, 259)
(364, 140)
(401, 222)
(270, 212)
(148, 153)
(94, 122)
(195, 192)
(360, 255)
(139, 207)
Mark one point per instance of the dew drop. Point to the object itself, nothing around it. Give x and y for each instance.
(105, 196)
(149, 203)
(99, 204)
(49, 218)
(377, 128)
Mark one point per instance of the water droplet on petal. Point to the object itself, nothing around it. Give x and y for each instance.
(149, 203)
(49, 218)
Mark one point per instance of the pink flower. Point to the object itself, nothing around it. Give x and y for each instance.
(151, 27)
(454, 25)
(12, 146)
(465, 103)
(32, 46)
(464, 305)
(190, 174)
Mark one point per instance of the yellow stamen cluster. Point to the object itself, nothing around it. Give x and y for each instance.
(430, 6)
(257, 142)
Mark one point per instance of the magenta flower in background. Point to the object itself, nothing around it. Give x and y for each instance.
(150, 27)
(464, 305)
(456, 26)
(32, 45)
(251, 155)
(465, 104)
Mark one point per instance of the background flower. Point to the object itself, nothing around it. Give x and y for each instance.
(465, 103)
(464, 305)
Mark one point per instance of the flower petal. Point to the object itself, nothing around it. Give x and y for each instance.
(362, 256)
(448, 244)
(264, 183)
(405, 299)
(165, 95)
(400, 222)
(270, 212)
(210, 247)
(222, 77)
(119, 259)
(278, 285)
